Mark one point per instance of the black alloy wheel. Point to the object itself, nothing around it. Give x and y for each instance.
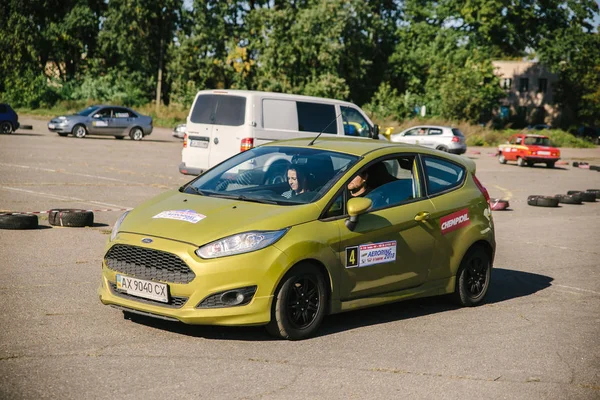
(473, 278)
(6, 127)
(299, 304)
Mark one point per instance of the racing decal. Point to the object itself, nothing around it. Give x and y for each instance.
(370, 254)
(351, 257)
(455, 221)
(181, 215)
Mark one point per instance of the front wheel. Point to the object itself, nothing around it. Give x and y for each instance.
(136, 134)
(79, 131)
(473, 278)
(501, 159)
(299, 304)
(6, 127)
(521, 162)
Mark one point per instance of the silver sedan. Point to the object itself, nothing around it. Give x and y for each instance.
(103, 120)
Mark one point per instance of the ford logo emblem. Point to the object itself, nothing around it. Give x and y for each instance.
(147, 240)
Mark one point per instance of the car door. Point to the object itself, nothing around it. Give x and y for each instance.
(101, 122)
(433, 138)
(410, 136)
(389, 249)
(123, 120)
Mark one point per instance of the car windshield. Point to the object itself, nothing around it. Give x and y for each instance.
(88, 111)
(537, 141)
(274, 175)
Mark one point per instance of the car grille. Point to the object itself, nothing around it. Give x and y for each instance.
(174, 301)
(148, 264)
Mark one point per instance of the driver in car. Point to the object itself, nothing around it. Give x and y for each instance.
(298, 181)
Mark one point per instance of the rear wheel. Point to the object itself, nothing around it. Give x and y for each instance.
(442, 148)
(299, 304)
(136, 133)
(6, 127)
(550, 164)
(79, 131)
(473, 277)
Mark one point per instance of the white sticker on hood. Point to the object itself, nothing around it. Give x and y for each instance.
(181, 215)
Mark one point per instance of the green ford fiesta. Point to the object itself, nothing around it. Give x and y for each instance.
(283, 234)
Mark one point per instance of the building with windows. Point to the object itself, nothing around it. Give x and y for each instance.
(529, 92)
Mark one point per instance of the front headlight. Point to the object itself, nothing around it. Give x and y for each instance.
(117, 225)
(240, 243)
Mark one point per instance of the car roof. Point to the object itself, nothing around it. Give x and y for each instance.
(272, 95)
(536, 136)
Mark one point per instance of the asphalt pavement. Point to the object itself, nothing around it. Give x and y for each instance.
(536, 337)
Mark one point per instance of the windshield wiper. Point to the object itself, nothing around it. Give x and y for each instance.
(194, 189)
(244, 198)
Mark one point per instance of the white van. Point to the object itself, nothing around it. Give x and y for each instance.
(222, 123)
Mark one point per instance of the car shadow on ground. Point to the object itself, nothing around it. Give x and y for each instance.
(540, 166)
(26, 134)
(129, 140)
(505, 285)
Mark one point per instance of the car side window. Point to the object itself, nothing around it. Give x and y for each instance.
(122, 113)
(442, 175)
(354, 123)
(393, 182)
(316, 117)
(412, 132)
(435, 131)
(105, 113)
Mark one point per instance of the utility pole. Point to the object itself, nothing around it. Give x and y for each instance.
(159, 83)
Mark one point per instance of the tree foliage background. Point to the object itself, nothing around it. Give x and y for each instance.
(387, 56)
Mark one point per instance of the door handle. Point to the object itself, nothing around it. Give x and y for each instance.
(422, 216)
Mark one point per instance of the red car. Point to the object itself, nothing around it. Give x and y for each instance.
(528, 150)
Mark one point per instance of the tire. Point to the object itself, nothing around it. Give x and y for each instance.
(18, 221)
(589, 197)
(119, 137)
(473, 277)
(521, 162)
(569, 198)
(442, 148)
(64, 134)
(136, 133)
(498, 204)
(550, 164)
(70, 217)
(79, 131)
(6, 127)
(542, 201)
(305, 282)
(595, 167)
(501, 158)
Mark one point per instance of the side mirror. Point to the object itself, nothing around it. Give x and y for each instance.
(375, 133)
(356, 206)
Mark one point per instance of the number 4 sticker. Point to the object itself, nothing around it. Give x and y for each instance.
(351, 257)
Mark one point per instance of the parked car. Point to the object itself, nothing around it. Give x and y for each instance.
(222, 123)
(528, 150)
(103, 120)
(443, 138)
(9, 120)
(179, 131)
(235, 247)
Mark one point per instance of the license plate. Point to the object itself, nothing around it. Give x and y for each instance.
(198, 143)
(142, 288)
(51, 126)
(544, 153)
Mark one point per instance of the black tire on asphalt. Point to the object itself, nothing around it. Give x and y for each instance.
(18, 221)
(499, 204)
(70, 217)
(550, 164)
(304, 286)
(589, 197)
(542, 201)
(595, 167)
(6, 127)
(473, 277)
(569, 198)
(442, 148)
(25, 127)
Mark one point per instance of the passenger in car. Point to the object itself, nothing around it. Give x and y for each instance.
(298, 181)
(359, 186)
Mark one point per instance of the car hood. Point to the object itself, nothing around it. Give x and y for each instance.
(199, 219)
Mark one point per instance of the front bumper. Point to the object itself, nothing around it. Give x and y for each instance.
(262, 268)
(59, 128)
